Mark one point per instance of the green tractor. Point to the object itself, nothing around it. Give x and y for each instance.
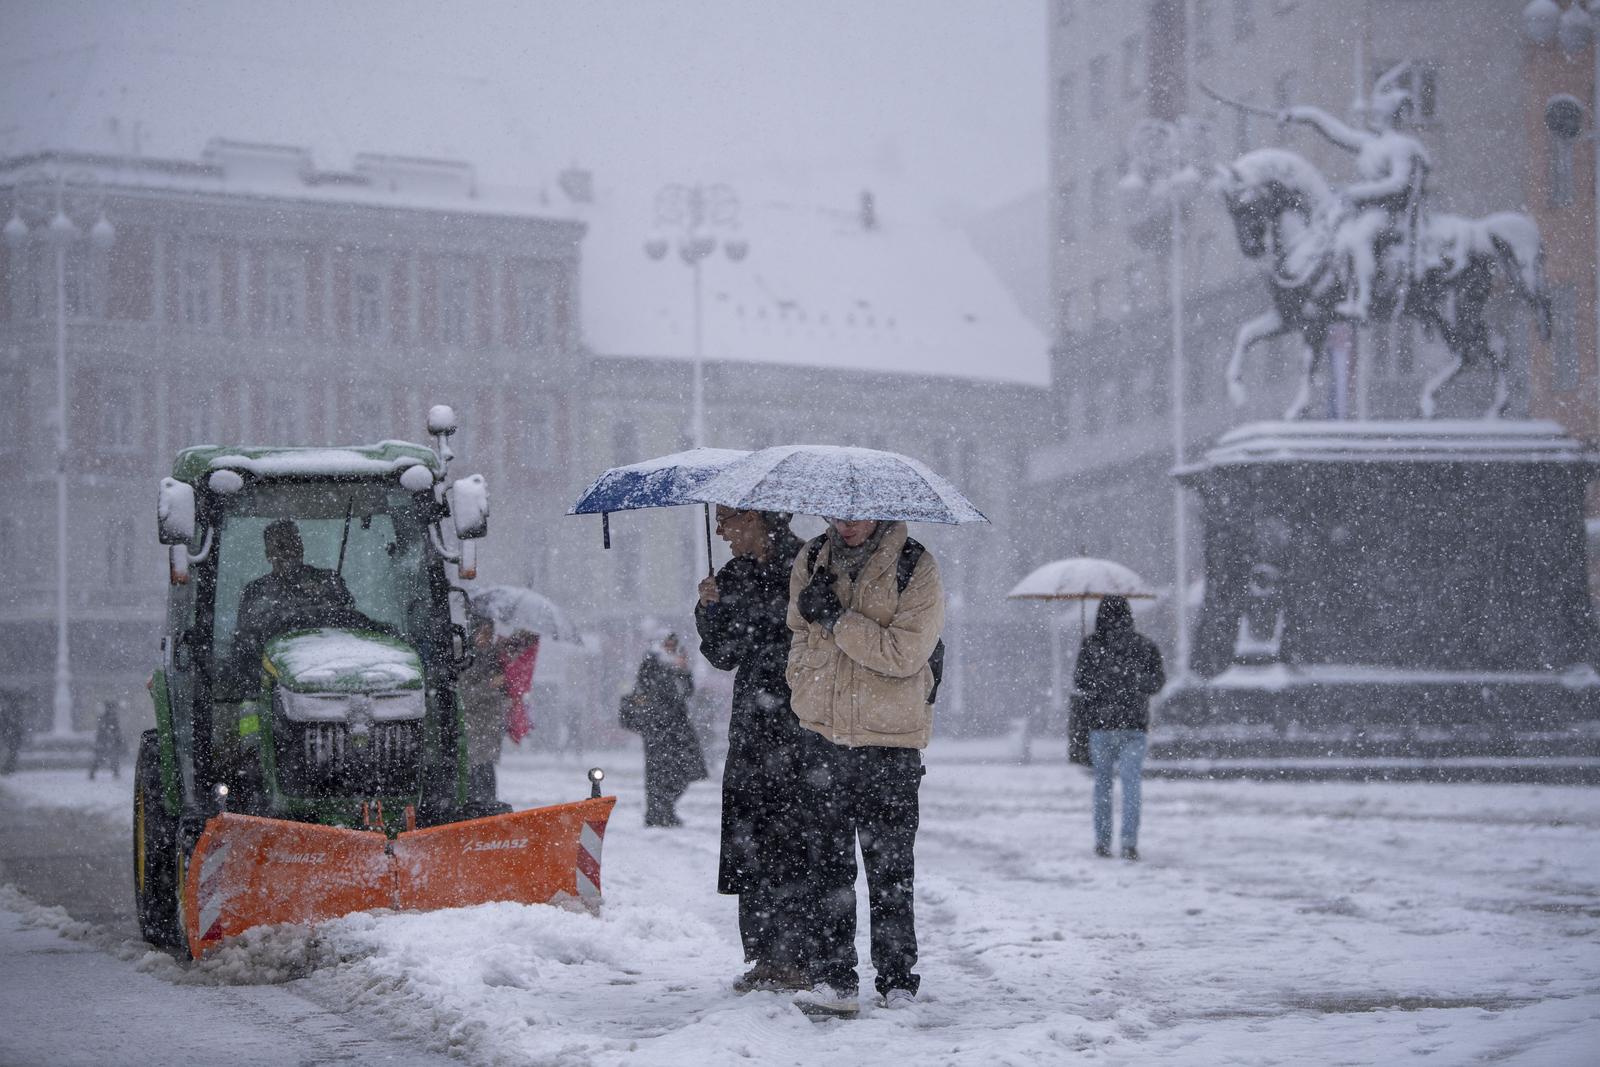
(309, 757)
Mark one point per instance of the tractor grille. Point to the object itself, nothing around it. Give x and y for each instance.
(325, 759)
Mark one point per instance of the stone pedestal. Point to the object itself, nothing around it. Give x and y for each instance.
(1393, 589)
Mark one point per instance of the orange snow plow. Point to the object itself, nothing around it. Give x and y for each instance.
(247, 871)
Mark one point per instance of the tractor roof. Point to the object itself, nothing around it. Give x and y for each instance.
(352, 461)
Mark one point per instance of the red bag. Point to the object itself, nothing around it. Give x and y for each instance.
(518, 671)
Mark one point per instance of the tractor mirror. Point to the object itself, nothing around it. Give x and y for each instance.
(469, 506)
(175, 512)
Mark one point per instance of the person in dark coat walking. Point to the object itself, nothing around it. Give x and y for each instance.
(672, 757)
(741, 620)
(108, 744)
(1118, 671)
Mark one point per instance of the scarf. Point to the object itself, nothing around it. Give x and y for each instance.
(849, 561)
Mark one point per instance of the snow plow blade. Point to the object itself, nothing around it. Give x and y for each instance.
(248, 871)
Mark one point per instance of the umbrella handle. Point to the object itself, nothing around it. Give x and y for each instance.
(710, 568)
(605, 529)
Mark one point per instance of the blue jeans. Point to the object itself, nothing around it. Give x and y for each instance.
(1119, 752)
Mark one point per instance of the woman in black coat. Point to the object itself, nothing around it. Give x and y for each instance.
(741, 620)
(1118, 671)
(672, 757)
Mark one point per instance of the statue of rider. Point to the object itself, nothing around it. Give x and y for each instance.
(1381, 211)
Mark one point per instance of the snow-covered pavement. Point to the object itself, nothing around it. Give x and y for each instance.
(1282, 923)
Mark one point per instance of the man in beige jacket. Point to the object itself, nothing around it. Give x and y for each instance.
(865, 613)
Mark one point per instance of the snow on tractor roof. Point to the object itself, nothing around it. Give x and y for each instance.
(354, 461)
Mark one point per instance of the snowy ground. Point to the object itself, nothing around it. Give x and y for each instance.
(1285, 923)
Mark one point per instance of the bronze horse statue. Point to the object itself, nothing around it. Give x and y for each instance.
(1283, 209)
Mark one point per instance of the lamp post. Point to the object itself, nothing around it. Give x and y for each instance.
(690, 217)
(1166, 160)
(58, 197)
(1545, 22)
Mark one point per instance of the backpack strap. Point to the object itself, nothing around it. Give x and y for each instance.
(813, 550)
(910, 555)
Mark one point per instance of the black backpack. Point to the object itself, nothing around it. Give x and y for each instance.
(910, 553)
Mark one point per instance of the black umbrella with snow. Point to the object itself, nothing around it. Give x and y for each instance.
(839, 482)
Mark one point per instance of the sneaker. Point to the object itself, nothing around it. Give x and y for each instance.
(1130, 853)
(899, 999)
(770, 977)
(1103, 851)
(823, 999)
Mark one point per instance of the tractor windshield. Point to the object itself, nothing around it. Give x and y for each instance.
(291, 556)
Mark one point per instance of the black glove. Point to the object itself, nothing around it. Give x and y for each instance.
(818, 602)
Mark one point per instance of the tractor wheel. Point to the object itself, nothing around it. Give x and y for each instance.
(155, 851)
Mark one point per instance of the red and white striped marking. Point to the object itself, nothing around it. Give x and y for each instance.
(590, 839)
(209, 896)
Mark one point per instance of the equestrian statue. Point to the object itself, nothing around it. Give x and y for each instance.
(1372, 251)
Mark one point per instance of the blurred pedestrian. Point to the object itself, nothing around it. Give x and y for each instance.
(741, 620)
(672, 757)
(866, 608)
(482, 689)
(1118, 671)
(108, 744)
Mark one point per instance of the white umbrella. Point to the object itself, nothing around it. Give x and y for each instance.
(517, 610)
(839, 482)
(1081, 578)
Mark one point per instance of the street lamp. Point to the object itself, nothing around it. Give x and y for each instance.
(1544, 22)
(1166, 161)
(695, 214)
(58, 197)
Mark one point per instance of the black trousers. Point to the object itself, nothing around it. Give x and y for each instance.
(867, 794)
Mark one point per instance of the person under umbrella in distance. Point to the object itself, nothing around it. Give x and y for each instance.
(1118, 671)
(741, 620)
(866, 608)
(672, 757)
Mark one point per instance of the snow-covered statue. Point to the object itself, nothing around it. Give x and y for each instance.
(1382, 208)
(1372, 251)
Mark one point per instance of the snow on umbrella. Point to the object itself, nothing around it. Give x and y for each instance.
(516, 610)
(663, 482)
(839, 482)
(1081, 578)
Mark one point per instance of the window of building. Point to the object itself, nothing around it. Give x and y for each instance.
(1132, 66)
(1382, 348)
(1405, 350)
(1066, 118)
(532, 433)
(1098, 104)
(121, 567)
(1097, 299)
(1564, 339)
(1244, 19)
(1243, 129)
(285, 293)
(455, 301)
(116, 418)
(1066, 11)
(1100, 197)
(1069, 309)
(1559, 183)
(366, 294)
(1133, 286)
(1066, 219)
(532, 307)
(1285, 87)
(1283, 7)
(282, 418)
(625, 449)
(199, 286)
(1204, 26)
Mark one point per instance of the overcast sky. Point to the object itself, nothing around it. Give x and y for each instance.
(946, 96)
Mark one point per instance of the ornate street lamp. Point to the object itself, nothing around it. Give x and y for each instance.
(1166, 159)
(690, 218)
(59, 198)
